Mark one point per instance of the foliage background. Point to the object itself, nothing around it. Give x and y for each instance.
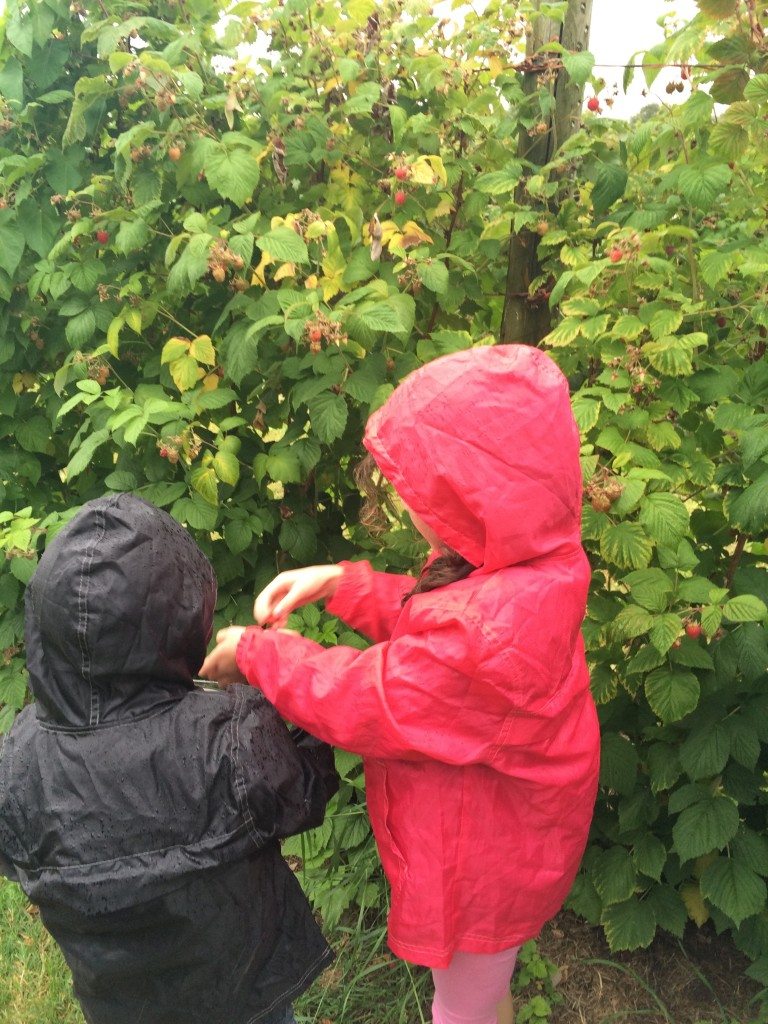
(213, 267)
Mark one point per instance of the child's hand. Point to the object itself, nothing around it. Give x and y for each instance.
(221, 663)
(292, 589)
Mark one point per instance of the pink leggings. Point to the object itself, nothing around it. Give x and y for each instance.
(471, 987)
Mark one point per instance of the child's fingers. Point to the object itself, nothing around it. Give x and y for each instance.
(265, 605)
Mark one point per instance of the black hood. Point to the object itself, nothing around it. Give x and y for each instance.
(118, 615)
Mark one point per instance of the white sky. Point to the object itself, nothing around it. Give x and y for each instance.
(620, 28)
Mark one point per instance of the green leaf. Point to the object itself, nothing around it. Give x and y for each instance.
(185, 373)
(131, 236)
(283, 466)
(610, 185)
(749, 511)
(664, 632)
(11, 248)
(282, 243)
(705, 751)
(238, 535)
(579, 65)
(82, 457)
(649, 855)
(626, 545)
(34, 435)
(746, 608)
(671, 693)
(618, 763)
(496, 183)
(701, 183)
(650, 588)
(328, 415)
(734, 888)
(629, 925)
(205, 482)
(669, 909)
(751, 849)
(227, 467)
(614, 875)
(298, 538)
(233, 172)
(434, 275)
(665, 517)
(196, 512)
(707, 825)
(81, 328)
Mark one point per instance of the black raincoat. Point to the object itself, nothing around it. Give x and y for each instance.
(143, 814)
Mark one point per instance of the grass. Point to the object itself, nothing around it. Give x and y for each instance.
(703, 984)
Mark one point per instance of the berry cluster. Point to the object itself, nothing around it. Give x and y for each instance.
(323, 329)
(221, 258)
(603, 490)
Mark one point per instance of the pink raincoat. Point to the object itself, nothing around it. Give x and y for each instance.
(472, 709)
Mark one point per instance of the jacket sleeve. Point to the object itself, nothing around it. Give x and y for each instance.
(408, 698)
(282, 782)
(369, 601)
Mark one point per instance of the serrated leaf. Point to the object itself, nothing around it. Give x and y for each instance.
(201, 349)
(283, 466)
(618, 763)
(745, 608)
(227, 467)
(707, 825)
(579, 65)
(233, 172)
(671, 693)
(749, 511)
(610, 185)
(664, 632)
(702, 183)
(204, 480)
(496, 183)
(733, 887)
(237, 535)
(434, 275)
(705, 751)
(283, 244)
(650, 856)
(185, 373)
(629, 925)
(328, 415)
(694, 903)
(174, 349)
(626, 545)
(34, 435)
(665, 517)
(80, 329)
(614, 875)
(82, 457)
(650, 588)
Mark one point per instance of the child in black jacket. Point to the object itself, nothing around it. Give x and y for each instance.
(142, 814)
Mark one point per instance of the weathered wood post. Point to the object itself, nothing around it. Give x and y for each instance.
(522, 320)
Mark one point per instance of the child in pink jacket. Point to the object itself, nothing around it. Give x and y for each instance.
(472, 708)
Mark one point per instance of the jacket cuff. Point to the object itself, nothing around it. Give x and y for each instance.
(353, 587)
(246, 653)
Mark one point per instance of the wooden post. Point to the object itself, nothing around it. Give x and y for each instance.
(523, 320)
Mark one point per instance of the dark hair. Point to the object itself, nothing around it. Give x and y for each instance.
(448, 567)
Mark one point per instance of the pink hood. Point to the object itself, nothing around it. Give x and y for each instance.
(493, 486)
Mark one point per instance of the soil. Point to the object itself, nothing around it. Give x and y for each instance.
(698, 981)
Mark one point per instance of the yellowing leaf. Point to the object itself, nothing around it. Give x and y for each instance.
(258, 274)
(202, 350)
(428, 170)
(332, 83)
(174, 349)
(133, 319)
(113, 335)
(443, 208)
(410, 236)
(210, 382)
(496, 66)
(694, 904)
(185, 373)
(286, 270)
(311, 281)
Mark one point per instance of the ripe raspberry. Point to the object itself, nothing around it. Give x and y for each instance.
(102, 236)
(593, 104)
(402, 173)
(400, 197)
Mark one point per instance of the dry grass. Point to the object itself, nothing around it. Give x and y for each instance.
(700, 980)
